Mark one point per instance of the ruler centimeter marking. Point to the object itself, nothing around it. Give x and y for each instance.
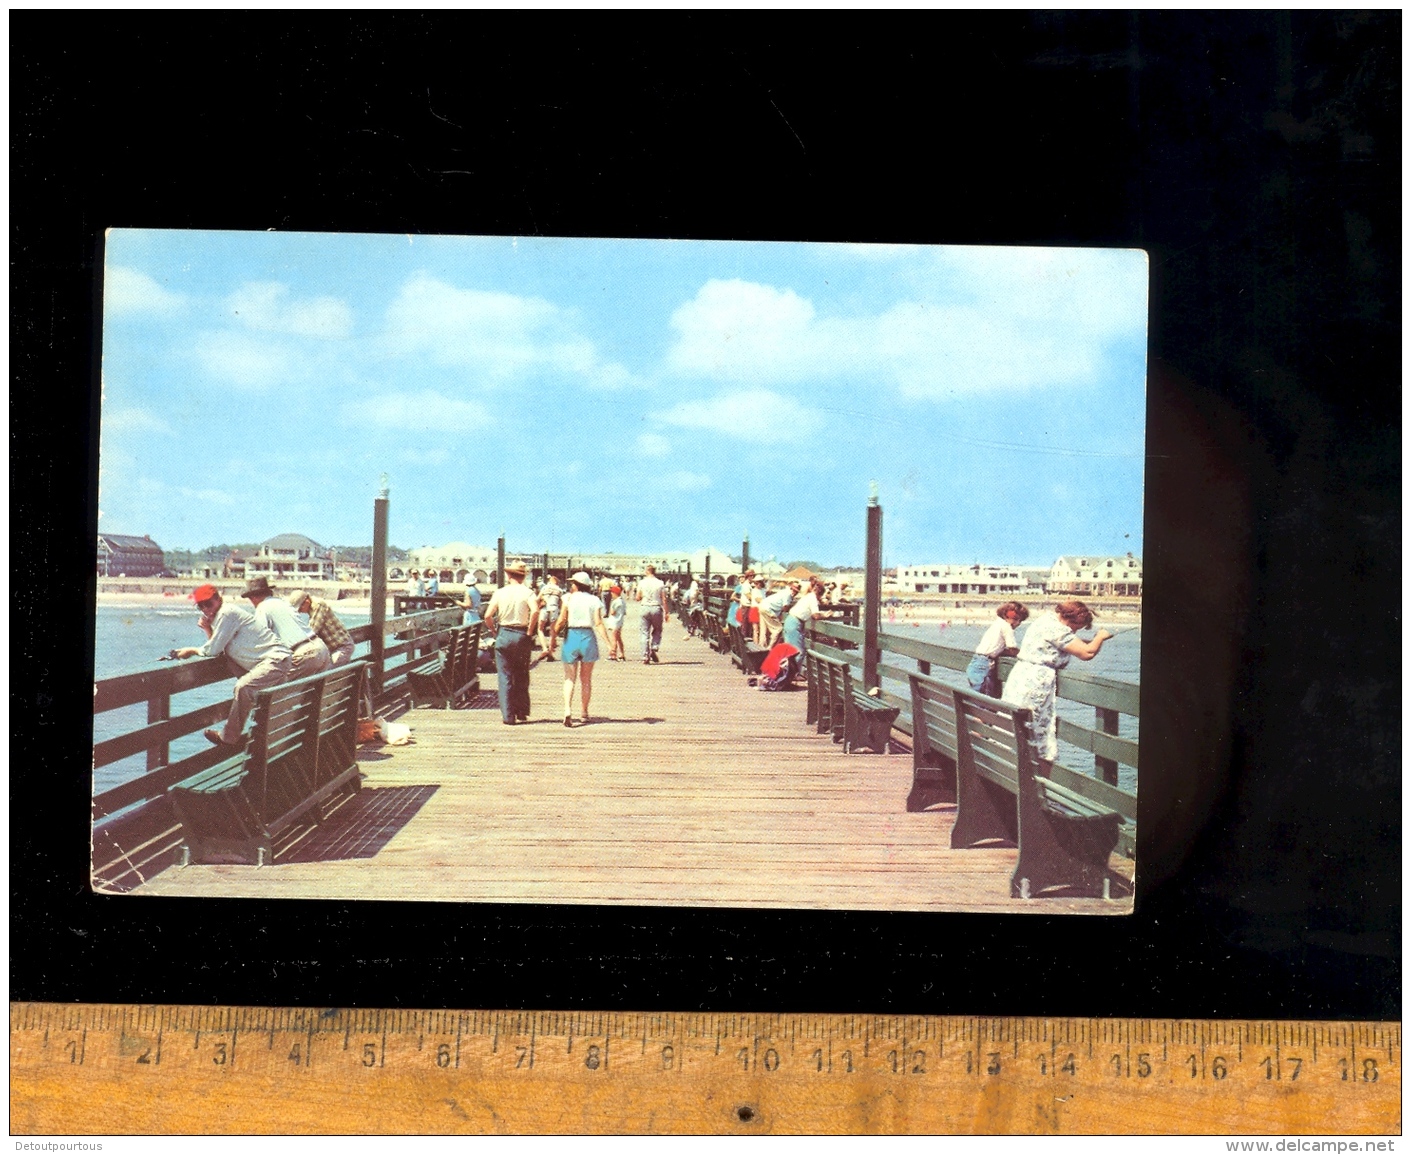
(111, 1069)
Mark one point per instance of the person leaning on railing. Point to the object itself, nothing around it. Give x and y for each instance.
(260, 658)
(326, 624)
(997, 642)
(1050, 642)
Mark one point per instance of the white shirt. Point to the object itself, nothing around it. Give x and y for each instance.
(650, 589)
(236, 633)
(513, 605)
(998, 638)
(276, 616)
(581, 608)
(806, 608)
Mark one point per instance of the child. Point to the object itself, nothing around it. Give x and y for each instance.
(983, 671)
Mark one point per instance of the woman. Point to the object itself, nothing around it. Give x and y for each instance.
(756, 597)
(1049, 644)
(998, 641)
(617, 614)
(580, 617)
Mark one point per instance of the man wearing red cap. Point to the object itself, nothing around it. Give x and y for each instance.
(260, 658)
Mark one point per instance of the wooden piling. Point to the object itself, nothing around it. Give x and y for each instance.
(377, 611)
(872, 596)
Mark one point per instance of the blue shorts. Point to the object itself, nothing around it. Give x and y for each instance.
(580, 645)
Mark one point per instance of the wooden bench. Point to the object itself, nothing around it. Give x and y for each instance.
(855, 719)
(452, 675)
(744, 653)
(933, 763)
(301, 753)
(715, 632)
(1064, 838)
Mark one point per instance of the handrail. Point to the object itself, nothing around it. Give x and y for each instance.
(156, 685)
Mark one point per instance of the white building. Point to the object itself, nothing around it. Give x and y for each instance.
(720, 562)
(937, 578)
(453, 561)
(290, 556)
(1109, 575)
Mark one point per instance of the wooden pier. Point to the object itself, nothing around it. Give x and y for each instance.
(689, 787)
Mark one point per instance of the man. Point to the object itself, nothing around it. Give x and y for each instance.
(257, 657)
(311, 656)
(651, 592)
(550, 602)
(513, 615)
(324, 622)
(415, 589)
(433, 583)
(771, 612)
(473, 601)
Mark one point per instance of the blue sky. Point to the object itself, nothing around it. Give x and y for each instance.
(594, 395)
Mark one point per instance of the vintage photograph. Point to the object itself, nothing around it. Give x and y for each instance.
(643, 572)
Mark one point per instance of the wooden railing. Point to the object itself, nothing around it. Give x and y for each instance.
(413, 636)
(1109, 698)
(846, 613)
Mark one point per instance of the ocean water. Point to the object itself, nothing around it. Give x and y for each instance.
(131, 638)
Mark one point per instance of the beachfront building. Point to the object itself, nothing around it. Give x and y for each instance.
(455, 561)
(290, 557)
(938, 578)
(120, 555)
(1107, 575)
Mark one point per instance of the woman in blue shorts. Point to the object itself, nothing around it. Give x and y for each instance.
(580, 620)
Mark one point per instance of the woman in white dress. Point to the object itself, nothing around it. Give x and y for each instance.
(1050, 642)
(580, 621)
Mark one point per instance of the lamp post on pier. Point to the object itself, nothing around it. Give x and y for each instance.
(745, 554)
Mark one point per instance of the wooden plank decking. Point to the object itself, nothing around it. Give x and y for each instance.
(688, 788)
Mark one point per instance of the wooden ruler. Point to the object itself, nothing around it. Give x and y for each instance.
(95, 1069)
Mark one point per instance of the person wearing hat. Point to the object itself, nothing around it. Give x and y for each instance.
(616, 616)
(579, 621)
(259, 658)
(311, 656)
(651, 592)
(324, 622)
(513, 616)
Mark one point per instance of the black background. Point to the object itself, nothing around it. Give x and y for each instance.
(1255, 156)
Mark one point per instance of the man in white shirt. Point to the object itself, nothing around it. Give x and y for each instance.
(310, 654)
(651, 592)
(513, 615)
(251, 648)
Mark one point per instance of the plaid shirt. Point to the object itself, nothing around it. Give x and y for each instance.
(326, 625)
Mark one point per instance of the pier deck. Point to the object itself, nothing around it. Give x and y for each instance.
(688, 788)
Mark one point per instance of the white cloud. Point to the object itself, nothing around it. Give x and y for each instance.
(423, 412)
(686, 481)
(129, 291)
(244, 361)
(751, 415)
(500, 336)
(266, 306)
(653, 445)
(975, 321)
(134, 421)
(741, 331)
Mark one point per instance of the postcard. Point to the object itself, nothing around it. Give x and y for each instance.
(644, 572)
